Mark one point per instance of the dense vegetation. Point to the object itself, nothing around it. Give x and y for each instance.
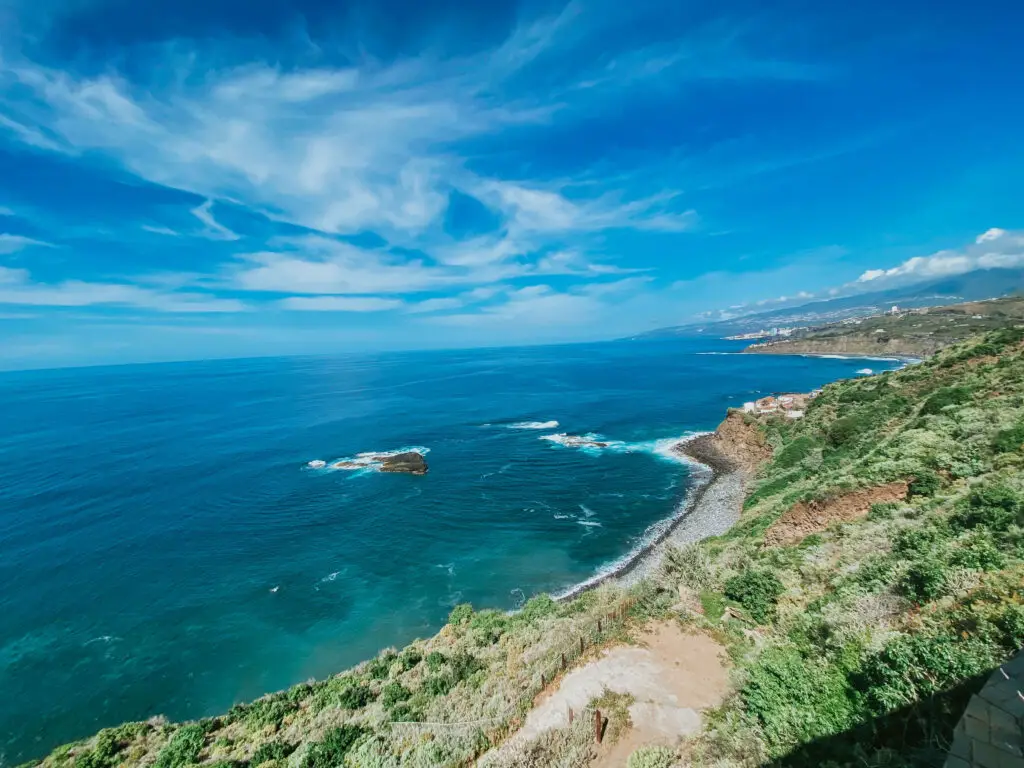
(861, 643)
(858, 644)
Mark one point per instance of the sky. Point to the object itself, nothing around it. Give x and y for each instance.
(212, 178)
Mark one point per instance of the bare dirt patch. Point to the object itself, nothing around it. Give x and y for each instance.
(671, 676)
(805, 518)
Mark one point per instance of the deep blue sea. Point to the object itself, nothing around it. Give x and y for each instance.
(164, 547)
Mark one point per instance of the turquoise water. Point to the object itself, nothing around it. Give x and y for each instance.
(164, 547)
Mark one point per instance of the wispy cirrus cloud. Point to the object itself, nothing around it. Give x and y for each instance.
(13, 243)
(212, 228)
(18, 287)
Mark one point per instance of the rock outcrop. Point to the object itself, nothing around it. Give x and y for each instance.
(737, 444)
(410, 462)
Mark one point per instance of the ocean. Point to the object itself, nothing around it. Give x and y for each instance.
(165, 547)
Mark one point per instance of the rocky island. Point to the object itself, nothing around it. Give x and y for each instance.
(407, 462)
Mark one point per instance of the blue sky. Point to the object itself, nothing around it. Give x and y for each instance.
(206, 178)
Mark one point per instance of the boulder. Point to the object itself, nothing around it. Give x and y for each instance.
(409, 462)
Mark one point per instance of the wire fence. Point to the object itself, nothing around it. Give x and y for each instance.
(544, 673)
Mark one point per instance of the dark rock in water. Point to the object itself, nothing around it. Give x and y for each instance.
(410, 462)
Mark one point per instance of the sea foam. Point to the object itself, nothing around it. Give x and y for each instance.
(534, 425)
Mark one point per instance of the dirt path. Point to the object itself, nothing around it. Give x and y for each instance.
(672, 675)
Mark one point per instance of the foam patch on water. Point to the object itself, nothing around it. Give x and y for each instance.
(865, 372)
(595, 444)
(534, 425)
(655, 532)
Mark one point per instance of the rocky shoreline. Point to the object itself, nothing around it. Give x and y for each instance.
(711, 508)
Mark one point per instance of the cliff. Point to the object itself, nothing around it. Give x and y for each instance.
(852, 345)
(737, 444)
(916, 333)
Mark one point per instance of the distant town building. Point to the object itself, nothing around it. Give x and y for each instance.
(894, 311)
(790, 405)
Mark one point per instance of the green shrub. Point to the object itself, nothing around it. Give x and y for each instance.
(925, 580)
(460, 614)
(926, 483)
(912, 667)
(1009, 440)
(918, 541)
(355, 696)
(995, 506)
(978, 551)
(875, 574)
(464, 665)
(438, 685)
(797, 700)
(538, 607)
(652, 757)
(1011, 622)
(882, 511)
(331, 751)
(394, 693)
(271, 750)
(757, 591)
(435, 660)
(798, 450)
(945, 397)
(263, 712)
(380, 668)
(410, 657)
(861, 394)
(488, 626)
(184, 747)
(848, 429)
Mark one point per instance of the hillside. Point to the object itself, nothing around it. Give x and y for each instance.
(971, 286)
(875, 578)
(917, 333)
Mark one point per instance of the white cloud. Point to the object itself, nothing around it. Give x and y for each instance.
(17, 287)
(535, 306)
(161, 230)
(14, 243)
(213, 229)
(534, 209)
(371, 146)
(993, 248)
(989, 235)
(339, 303)
(436, 305)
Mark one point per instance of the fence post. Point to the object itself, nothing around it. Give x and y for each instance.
(572, 715)
(597, 726)
(563, 661)
(543, 682)
(599, 626)
(581, 645)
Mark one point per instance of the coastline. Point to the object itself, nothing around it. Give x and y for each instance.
(711, 506)
(904, 358)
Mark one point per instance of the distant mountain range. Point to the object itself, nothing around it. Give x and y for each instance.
(970, 286)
